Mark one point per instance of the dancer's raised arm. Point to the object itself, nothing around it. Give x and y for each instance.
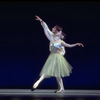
(47, 31)
(71, 45)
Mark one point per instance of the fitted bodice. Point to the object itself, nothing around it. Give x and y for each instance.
(55, 47)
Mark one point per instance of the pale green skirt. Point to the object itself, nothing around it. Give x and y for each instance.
(57, 66)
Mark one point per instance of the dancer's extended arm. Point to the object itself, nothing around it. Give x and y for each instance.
(71, 45)
(47, 31)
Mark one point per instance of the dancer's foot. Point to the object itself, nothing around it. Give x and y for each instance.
(60, 91)
(56, 90)
(35, 85)
(32, 89)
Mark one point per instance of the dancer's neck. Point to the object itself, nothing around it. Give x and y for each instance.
(56, 38)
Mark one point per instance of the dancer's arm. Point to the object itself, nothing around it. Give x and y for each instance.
(47, 31)
(71, 45)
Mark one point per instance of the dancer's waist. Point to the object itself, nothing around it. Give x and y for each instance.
(58, 52)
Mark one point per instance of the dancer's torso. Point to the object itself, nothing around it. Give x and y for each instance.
(56, 47)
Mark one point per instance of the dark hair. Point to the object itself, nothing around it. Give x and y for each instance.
(59, 28)
(63, 35)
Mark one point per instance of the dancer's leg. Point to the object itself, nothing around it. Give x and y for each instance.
(60, 83)
(40, 80)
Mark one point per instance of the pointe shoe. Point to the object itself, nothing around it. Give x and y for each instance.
(60, 91)
(32, 89)
(36, 85)
(56, 91)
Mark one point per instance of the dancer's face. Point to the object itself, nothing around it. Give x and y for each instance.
(59, 33)
(56, 32)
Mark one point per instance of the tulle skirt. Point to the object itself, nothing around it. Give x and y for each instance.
(56, 66)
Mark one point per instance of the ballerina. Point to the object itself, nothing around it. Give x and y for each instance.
(56, 65)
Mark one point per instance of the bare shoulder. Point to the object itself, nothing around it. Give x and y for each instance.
(62, 41)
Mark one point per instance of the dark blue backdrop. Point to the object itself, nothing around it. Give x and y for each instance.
(24, 47)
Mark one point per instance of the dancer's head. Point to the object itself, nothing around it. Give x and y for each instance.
(57, 30)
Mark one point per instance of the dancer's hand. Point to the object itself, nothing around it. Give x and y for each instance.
(38, 18)
(80, 44)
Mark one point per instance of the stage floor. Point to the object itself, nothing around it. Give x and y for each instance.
(49, 93)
